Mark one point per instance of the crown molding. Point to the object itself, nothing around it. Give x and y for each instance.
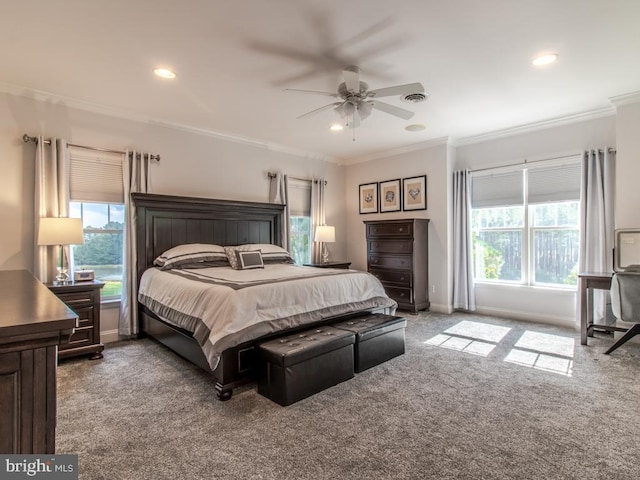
(75, 103)
(399, 150)
(532, 127)
(626, 99)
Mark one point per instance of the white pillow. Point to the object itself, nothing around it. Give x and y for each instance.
(192, 255)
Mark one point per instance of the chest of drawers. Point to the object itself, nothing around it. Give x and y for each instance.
(397, 254)
(84, 299)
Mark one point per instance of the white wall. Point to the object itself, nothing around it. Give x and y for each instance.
(628, 165)
(192, 164)
(434, 163)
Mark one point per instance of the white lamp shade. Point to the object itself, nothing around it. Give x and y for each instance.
(60, 231)
(325, 233)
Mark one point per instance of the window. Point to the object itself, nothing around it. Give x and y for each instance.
(96, 190)
(300, 219)
(525, 225)
(300, 238)
(101, 252)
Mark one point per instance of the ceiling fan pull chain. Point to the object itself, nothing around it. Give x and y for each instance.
(353, 126)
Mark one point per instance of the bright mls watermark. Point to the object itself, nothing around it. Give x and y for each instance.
(50, 467)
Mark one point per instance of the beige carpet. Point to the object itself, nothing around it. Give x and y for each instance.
(473, 398)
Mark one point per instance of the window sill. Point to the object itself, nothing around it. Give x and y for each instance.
(106, 304)
(560, 290)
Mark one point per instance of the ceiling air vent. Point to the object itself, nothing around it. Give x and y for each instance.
(415, 97)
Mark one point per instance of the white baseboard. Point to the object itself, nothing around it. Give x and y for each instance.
(439, 308)
(109, 336)
(528, 316)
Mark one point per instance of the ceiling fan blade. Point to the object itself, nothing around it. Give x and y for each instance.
(318, 110)
(352, 78)
(314, 92)
(397, 90)
(392, 110)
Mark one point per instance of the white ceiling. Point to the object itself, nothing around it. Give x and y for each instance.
(234, 58)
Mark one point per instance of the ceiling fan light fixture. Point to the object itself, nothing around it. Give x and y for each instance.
(164, 72)
(364, 109)
(416, 127)
(345, 109)
(336, 127)
(545, 59)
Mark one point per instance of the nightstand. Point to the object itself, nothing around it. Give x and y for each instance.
(84, 299)
(344, 265)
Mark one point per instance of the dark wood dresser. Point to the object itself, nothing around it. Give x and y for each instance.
(33, 322)
(398, 255)
(84, 299)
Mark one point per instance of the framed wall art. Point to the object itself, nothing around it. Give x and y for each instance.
(390, 196)
(414, 191)
(369, 198)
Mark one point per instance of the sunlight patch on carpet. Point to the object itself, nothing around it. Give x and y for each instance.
(542, 351)
(475, 338)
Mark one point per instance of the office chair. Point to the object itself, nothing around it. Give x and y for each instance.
(625, 303)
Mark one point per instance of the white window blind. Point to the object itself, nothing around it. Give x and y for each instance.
(96, 176)
(554, 183)
(545, 183)
(299, 198)
(497, 189)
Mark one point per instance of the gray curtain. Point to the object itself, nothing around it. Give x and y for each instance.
(463, 292)
(279, 193)
(51, 199)
(597, 220)
(318, 216)
(135, 175)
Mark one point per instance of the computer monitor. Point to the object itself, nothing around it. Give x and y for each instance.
(626, 252)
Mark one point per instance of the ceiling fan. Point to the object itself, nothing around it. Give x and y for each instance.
(355, 100)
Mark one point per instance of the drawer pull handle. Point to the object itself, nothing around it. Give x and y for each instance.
(401, 229)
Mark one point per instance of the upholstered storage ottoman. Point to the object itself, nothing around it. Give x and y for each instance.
(296, 366)
(378, 338)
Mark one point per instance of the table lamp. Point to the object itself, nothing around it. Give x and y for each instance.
(61, 231)
(325, 234)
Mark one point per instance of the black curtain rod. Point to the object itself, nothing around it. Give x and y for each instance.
(26, 139)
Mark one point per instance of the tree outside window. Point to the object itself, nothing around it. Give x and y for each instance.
(300, 239)
(103, 226)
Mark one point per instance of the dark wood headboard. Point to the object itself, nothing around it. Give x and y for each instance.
(164, 221)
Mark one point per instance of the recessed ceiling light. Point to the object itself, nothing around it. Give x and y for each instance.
(164, 72)
(416, 127)
(545, 59)
(336, 127)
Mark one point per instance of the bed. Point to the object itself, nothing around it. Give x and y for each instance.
(220, 314)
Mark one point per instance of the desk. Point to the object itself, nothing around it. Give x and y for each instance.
(587, 282)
